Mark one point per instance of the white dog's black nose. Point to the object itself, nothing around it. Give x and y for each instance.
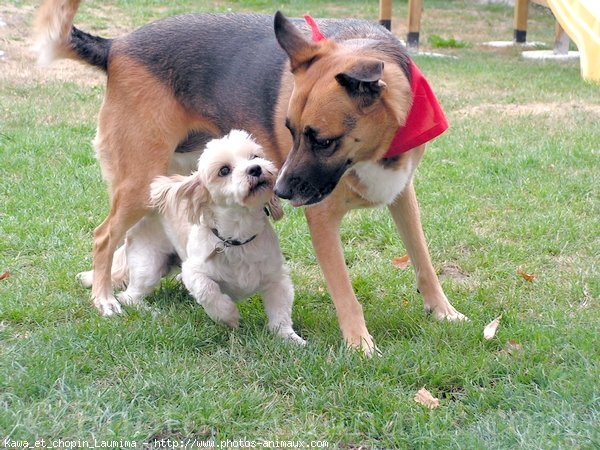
(254, 171)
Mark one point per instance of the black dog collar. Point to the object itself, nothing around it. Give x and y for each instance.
(229, 242)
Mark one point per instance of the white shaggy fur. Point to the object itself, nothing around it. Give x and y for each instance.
(227, 193)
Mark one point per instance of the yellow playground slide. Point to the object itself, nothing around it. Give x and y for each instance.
(581, 20)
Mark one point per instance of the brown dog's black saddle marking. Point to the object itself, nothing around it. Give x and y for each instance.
(226, 67)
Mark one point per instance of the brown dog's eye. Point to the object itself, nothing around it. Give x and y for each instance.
(325, 143)
(224, 171)
(322, 145)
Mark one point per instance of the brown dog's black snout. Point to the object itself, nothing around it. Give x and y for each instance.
(296, 188)
(315, 183)
(283, 191)
(254, 171)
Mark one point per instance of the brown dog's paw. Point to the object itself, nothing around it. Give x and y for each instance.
(446, 311)
(364, 343)
(108, 306)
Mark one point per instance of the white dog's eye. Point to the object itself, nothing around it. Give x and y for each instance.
(224, 171)
(253, 156)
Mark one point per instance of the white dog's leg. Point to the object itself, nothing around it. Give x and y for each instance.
(219, 307)
(148, 251)
(277, 301)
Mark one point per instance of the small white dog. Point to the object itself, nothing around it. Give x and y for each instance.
(215, 221)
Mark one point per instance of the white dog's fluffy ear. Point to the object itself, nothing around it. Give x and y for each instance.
(275, 208)
(175, 192)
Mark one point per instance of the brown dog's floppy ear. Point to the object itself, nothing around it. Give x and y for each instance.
(363, 82)
(170, 193)
(300, 51)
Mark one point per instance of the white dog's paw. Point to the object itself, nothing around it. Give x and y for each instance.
(108, 306)
(85, 279)
(223, 310)
(127, 299)
(290, 335)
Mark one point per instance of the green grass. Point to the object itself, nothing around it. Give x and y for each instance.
(513, 184)
(441, 42)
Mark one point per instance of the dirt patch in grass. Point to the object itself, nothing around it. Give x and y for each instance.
(18, 61)
(454, 272)
(529, 109)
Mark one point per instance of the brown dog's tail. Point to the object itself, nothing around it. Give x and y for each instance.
(57, 38)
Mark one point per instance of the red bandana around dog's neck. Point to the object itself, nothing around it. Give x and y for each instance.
(426, 119)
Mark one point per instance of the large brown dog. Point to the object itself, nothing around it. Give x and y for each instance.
(178, 82)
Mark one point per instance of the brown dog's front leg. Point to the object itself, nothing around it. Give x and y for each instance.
(406, 215)
(324, 223)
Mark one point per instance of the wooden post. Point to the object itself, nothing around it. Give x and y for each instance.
(385, 13)
(520, 22)
(414, 23)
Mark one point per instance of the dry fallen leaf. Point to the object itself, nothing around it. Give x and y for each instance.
(587, 297)
(526, 276)
(5, 275)
(424, 397)
(401, 262)
(513, 346)
(490, 329)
